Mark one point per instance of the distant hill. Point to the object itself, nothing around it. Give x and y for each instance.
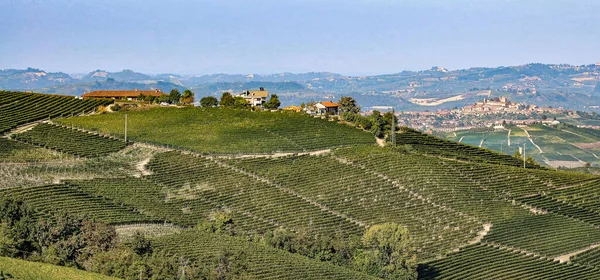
(31, 78)
(80, 88)
(125, 75)
(556, 85)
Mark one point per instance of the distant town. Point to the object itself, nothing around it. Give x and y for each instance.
(488, 113)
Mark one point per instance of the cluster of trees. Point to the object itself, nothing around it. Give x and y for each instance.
(174, 97)
(378, 124)
(72, 241)
(229, 101)
(383, 251)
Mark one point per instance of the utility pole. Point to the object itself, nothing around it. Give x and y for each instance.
(125, 128)
(524, 155)
(393, 127)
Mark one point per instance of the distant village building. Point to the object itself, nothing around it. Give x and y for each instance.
(327, 107)
(122, 94)
(292, 108)
(255, 97)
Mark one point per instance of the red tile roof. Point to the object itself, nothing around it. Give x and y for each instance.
(122, 93)
(329, 104)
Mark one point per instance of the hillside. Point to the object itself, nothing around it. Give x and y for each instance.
(212, 130)
(297, 194)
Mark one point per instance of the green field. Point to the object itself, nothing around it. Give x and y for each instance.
(212, 130)
(25, 270)
(471, 212)
(558, 145)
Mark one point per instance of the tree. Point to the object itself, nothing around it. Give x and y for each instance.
(348, 104)
(226, 100)
(386, 253)
(209, 101)
(188, 97)
(240, 103)
(174, 96)
(273, 102)
(164, 98)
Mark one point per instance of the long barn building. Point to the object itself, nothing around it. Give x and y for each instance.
(122, 94)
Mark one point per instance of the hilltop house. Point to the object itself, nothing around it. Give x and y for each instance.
(122, 94)
(255, 97)
(327, 107)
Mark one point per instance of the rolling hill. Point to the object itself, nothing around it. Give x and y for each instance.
(471, 213)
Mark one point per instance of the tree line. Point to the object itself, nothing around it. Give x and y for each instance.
(384, 250)
(237, 102)
(380, 125)
(73, 241)
(174, 97)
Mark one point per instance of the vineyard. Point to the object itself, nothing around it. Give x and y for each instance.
(368, 198)
(548, 235)
(54, 198)
(490, 262)
(261, 262)
(471, 213)
(257, 205)
(212, 130)
(18, 108)
(71, 141)
(16, 152)
(26, 270)
(427, 144)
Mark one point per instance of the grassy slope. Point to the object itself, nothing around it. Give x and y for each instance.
(229, 131)
(25, 270)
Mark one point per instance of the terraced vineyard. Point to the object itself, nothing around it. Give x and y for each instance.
(489, 262)
(589, 258)
(18, 108)
(258, 205)
(212, 130)
(17, 152)
(262, 262)
(51, 199)
(71, 141)
(368, 198)
(549, 235)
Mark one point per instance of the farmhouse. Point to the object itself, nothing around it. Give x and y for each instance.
(122, 94)
(327, 107)
(255, 97)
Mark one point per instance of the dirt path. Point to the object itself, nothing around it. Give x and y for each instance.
(567, 257)
(275, 155)
(531, 140)
(380, 142)
(481, 234)
(21, 129)
(148, 229)
(141, 167)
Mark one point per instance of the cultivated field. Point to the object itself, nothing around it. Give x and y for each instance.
(212, 130)
(471, 213)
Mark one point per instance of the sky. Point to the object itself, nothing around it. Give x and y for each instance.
(352, 37)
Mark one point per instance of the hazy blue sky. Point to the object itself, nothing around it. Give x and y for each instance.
(243, 36)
